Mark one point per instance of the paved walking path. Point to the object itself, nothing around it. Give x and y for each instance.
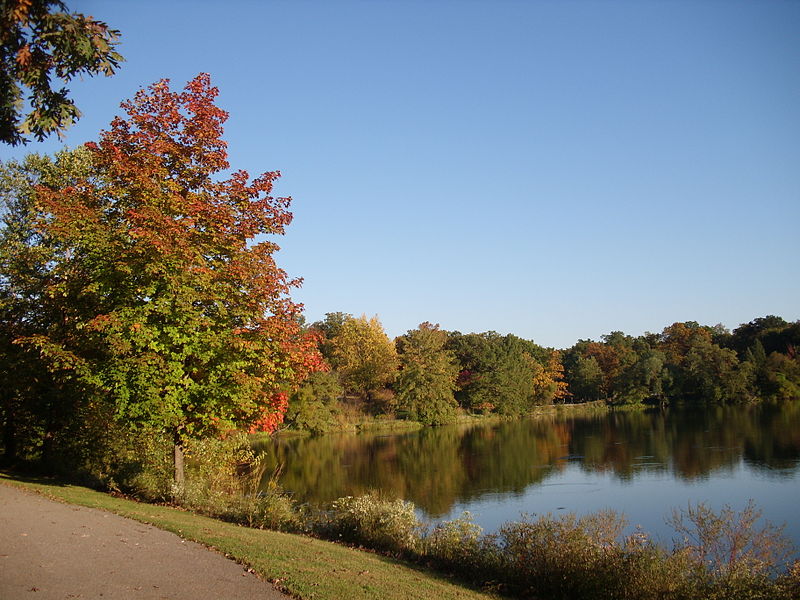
(50, 550)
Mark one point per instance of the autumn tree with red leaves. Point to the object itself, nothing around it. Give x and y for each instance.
(174, 309)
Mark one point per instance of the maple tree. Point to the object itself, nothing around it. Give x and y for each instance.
(173, 311)
(677, 340)
(40, 40)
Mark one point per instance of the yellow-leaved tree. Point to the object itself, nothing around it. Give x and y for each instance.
(364, 356)
(548, 380)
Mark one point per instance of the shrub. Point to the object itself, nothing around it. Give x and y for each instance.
(101, 452)
(373, 522)
(144, 467)
(457, 544)
(789, 584)
(223, 478)
(731, 554)
(643, 570)
(730, 545)
(265, 510)
(566, 557)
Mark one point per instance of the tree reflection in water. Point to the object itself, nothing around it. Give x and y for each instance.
(436, 468)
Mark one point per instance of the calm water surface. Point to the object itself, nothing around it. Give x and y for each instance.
(643, 464)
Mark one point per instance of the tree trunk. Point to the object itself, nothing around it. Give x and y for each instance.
(9, 436)
(178, 477)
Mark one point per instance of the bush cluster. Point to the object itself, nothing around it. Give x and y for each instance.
(574, 558)
(371, 521)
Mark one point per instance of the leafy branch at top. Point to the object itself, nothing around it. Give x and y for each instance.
(40, 40)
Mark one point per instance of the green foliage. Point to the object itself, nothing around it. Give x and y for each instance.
(144, 468)
(586, 378)
(780, 376)
(40, 41)
(223, 477)
(713, 373)
(772, 332)
(566, 557)
(687, 362)
(644, 378)
(313, 405)
(427, 376)
(330, 327)
(497, 372)
(35, 407)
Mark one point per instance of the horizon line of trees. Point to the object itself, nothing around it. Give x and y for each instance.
(429, 374)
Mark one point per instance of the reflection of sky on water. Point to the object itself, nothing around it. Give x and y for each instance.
(648, 498)
(642, 464)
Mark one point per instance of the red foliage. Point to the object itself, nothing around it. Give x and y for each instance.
(272, 414)
(305, 355)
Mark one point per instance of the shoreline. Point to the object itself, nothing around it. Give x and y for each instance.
(394, 425)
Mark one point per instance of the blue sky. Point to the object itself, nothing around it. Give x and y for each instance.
(557, 170)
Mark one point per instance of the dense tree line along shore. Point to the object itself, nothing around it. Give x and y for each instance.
(429, 375)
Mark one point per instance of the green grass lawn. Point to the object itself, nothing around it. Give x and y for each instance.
(302, 566)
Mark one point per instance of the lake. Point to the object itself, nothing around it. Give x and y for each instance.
(641, 463)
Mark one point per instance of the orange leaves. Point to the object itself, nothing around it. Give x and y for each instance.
(21, 10)
(305, 356)
(24, 57)
(678, 339)
(271, 415)
(555, 370)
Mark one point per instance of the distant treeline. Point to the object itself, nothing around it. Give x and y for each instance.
(429, 374)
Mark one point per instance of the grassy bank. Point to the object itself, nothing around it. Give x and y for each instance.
(302, 566)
